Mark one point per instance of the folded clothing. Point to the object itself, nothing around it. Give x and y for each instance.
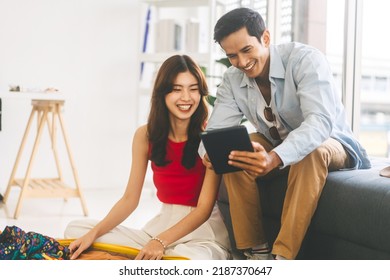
(16, 244)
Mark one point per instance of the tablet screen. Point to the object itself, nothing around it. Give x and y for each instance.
(220, 142)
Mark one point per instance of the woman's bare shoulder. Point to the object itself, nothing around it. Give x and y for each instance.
(141, 134)
(141, 131)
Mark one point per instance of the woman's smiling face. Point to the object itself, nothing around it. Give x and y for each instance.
(184, 98)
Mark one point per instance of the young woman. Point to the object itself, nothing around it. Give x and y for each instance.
(189, 224)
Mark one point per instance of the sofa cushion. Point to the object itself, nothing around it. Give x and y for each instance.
(355, 207)
(352, 214)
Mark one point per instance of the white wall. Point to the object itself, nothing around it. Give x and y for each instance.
(88, 50)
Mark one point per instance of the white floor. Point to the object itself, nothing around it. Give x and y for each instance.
(50, 216)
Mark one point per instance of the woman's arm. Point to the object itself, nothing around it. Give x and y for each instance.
(127, 203)
(154, 249)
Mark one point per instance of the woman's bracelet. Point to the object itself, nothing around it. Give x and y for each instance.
(159, 240)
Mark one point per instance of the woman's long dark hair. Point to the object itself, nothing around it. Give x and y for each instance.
(158, 120)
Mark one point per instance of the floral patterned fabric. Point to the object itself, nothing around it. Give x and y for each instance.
(15, 244)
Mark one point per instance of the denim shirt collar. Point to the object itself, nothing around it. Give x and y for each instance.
(277, 69)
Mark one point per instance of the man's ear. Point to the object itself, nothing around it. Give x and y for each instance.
(266, 38)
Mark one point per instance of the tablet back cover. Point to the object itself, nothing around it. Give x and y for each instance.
(220, 142)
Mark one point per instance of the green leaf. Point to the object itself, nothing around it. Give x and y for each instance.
(225, 61)
(210, 99)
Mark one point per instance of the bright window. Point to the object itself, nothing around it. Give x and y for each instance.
(375, 79)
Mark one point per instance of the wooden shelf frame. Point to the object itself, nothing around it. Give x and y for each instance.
(47, 112)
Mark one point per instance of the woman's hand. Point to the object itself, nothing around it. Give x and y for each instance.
(153, 250)
(206, 162)
(80, 245)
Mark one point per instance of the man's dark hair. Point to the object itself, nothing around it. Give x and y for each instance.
(237, 19)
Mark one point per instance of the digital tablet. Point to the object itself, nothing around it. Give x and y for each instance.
(220, 142)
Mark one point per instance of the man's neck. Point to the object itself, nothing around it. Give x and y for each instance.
(263, 82)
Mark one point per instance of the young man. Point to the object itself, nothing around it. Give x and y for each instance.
(288, 94)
